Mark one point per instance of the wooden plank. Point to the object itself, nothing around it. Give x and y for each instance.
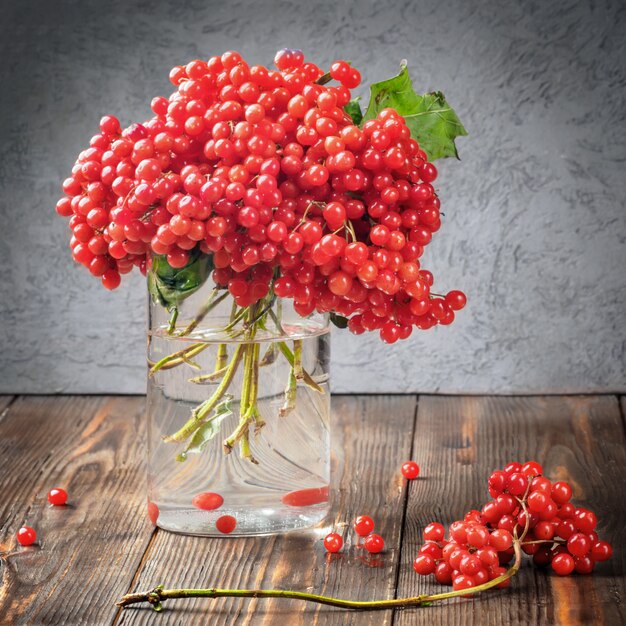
(88, 551)
(459, 440)
(370, 436)
(5, 401)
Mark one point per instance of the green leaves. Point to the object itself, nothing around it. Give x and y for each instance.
(431, 120)
(170, 286)
(209, 429)
(338, 320)
(353, 109)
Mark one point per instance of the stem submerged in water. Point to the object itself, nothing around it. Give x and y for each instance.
(203, 410)
(244, 322)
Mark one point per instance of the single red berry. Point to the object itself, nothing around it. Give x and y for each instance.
(306, 497)
(26, 536)
(153, 512)
(561, 492)
(57, 497)
(333, 542)
(601, 551)
(583, 564)
(363, 525)
(585, 520)
(434, 532)
(424, 564)
(563, 564)
(374, 543)
(501, 540)
(532, 468)
(410, 470)
(226, 524)
(579, 544)
(207, 501)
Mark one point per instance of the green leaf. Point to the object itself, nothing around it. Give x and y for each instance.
(170, 286)
(353, 109)
(431, 120)
(209, 429)
(338, 320)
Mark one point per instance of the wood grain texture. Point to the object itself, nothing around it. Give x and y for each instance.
(87, 551)
(460, 440)
(370, 435)
(5, 402)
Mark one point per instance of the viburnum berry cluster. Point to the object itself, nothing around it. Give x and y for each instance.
(272, 175)
(527, 509)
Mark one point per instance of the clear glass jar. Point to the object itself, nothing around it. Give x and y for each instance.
(238, 413)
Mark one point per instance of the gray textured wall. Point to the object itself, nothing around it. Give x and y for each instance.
(534, 229)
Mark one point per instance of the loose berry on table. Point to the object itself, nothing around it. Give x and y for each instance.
(410, 470)
(26, 536)
(333, 542)
(363, 525)
(57, 497)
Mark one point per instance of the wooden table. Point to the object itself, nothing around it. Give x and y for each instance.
(101, 546)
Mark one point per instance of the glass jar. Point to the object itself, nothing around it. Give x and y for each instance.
(238, 412)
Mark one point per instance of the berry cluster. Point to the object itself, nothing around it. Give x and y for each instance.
(264, 170)
(363, 526)
(526, 508)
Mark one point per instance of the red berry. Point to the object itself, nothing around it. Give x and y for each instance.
(333, 542)
(561, 492)
(563, 564)
(578, 544)
(601, 551)
(374, 543)
(585, 520)
(26, 536)
(410, 470)
(532, 468)
(306, 497)
(226, 524)
(57, 497)
(153, 512)
(443, 573)
(583, 565)
(501, 540)
(363, 525)
(207, 501)
(424, 564)
(434, 532)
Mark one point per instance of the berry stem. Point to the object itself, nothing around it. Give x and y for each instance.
(178, 358)
(206, 308)
(306, 377)
(172, 323)
(201, 411)
(159, 594)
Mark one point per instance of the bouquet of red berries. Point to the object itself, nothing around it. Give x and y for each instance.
(273, 182)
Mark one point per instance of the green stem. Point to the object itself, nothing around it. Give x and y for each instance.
(306, 377)
(222, 357)
(270, 355)
(248, 410)
(178, 358)
(200, 412)
(298, 372)
(290, 395)
(206, 308)
(207, 378)
(158, 595)
(171, 327)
